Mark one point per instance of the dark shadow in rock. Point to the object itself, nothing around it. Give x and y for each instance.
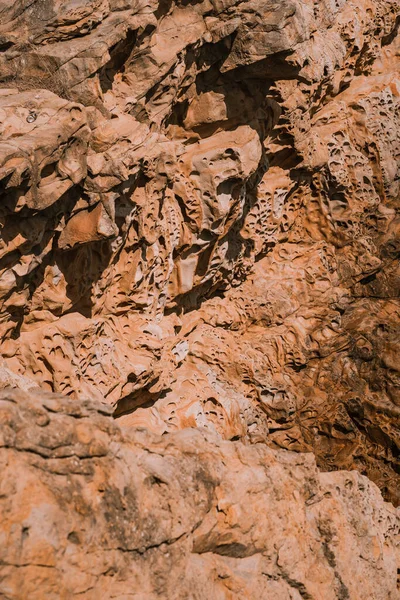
(139, 399)
(119, 54)
(82, 267)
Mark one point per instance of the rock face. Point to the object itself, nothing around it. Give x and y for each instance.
(199, 217)
(90, 510)
(200, 228)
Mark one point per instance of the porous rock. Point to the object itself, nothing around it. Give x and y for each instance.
(200, 230)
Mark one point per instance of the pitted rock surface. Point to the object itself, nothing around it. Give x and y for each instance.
(199, 217)
(200, 229)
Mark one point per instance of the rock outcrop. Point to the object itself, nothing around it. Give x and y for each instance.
(90, 510)
(200, 229)
(199, 217)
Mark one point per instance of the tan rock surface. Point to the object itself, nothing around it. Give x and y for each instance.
(199, 219)
(90, 509)
(200, 228)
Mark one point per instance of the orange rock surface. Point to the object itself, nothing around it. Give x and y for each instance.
(92, 510)
(200, 229)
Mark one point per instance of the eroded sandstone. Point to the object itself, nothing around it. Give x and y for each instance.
(199, 227)
(180, 152)
(91, 509)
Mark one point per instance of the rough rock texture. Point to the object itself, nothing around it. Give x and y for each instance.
(199, 217)
(90, 510)
(200, 228)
